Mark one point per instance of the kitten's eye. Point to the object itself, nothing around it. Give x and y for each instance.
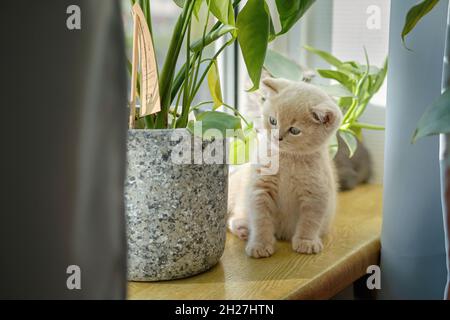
(273, 121)
(294, 131)
(263, 99)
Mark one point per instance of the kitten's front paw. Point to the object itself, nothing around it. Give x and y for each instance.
(259, 249)
(306, 245)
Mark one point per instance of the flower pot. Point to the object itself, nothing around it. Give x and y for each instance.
(176, 213)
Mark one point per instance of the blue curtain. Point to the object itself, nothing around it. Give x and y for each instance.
(413, 259)
(445, 156)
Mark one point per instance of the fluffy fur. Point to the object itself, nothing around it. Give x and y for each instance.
(297, 203)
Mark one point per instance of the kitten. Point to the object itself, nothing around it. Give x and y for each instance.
(297, 203)
(350, 171)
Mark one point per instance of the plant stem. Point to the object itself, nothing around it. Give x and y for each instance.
(149, 121)
(183, 120)
(168, 87)
(186, 89)
(237, 112)
(210, 64)
(174, 122)
(165, 80)
(196, 107)
(350, 114)
(148, 16)
(367, 126)
(201, 50)
(350, 110)
(360, 110)
(179, 79)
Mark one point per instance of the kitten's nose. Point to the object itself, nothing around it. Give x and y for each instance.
(280, 139)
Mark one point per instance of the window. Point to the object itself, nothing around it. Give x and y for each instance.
(354, 27)
(164, 16)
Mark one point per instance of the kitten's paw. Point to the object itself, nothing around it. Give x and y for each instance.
(307, 246)
(259, 249)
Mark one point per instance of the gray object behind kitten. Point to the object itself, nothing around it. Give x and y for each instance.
(355, 170)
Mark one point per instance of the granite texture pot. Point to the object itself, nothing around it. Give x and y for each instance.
(176, 213)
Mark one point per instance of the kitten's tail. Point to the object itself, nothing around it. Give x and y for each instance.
(237, 221)
(238, 227)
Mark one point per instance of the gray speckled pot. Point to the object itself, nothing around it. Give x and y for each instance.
(176, 213)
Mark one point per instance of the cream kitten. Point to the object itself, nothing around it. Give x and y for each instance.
(297, 203)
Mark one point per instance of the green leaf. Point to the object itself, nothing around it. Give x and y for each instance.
(237, 152)
(290, 11)
(415, 14)
(357, 132)
(344, 103)
(211, 37)
(361, 125)
(351, 68)
(350, 140)
(145, 6)
(214, 85)
(167, 73)
(373, 70)
(197, 7)
(364, 88)
(272, 33)
(354, 64)
(222, 10)
(436, 118)
(282, 67)
(325, 56)
(380, 77)
(215, 120)
(253, 35)
(140, 123)
(336, 90)
(339, 76)
(240, 147)
(180, 3)
(232, 20)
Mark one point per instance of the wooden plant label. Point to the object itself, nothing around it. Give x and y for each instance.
(144, 52)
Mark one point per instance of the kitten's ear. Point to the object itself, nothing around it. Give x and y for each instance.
(325, 115)
(275, 85)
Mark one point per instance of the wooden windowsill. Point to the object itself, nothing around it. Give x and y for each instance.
(351, 247)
